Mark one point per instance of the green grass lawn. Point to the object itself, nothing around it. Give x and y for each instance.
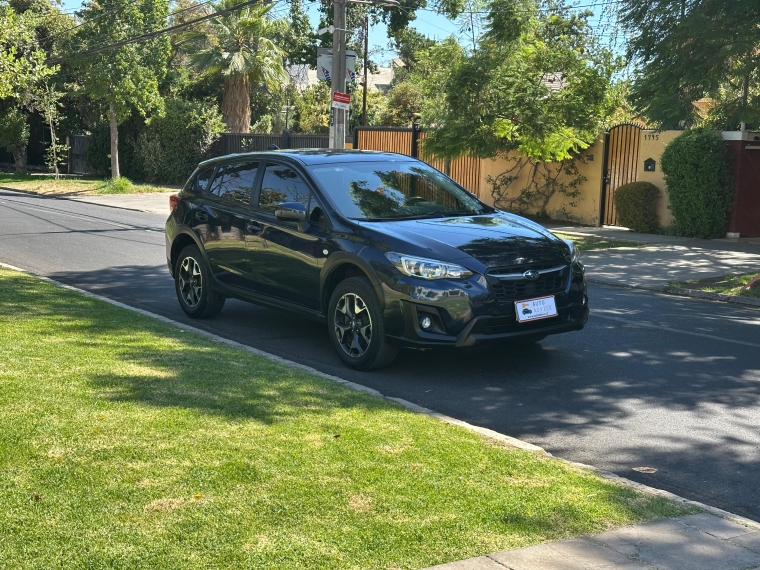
(590, 242)
(728, 284)
(127, 443)
(44, 184)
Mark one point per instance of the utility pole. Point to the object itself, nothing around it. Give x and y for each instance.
(366, 63)
(338, 75)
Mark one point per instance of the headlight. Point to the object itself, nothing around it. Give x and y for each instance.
(427, 268)
(574, 251)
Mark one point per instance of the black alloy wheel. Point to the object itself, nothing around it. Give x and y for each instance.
(355, 321)
(353, 325)
(193, 285)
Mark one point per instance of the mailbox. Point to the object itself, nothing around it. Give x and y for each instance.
(649, 165)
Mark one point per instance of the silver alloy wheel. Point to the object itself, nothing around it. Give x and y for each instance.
(353, 325)
(190, 282)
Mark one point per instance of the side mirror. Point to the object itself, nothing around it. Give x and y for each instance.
(290, 212)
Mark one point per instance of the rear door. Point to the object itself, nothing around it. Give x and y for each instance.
(286, 263)
(231, 223)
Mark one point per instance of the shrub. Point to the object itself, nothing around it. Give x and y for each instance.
(14, 136)
(98, 150)
(173, 144)
(636, 205)
(697, 168)
(119, 185)
(97, 153)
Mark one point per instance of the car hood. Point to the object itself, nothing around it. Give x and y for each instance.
(495, 240)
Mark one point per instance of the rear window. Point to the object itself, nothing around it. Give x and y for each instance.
(234, 181)
(203, 178)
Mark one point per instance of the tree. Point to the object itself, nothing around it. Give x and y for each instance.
(408, 43)
(47, 100)
(312, 109)
(22, 60)
(14, 136)
(127, 77)
(689, 49)
(538, 83)
(404, 103)
(237, 46)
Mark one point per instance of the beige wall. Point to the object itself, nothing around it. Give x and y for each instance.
(652, 145)
(586, 206)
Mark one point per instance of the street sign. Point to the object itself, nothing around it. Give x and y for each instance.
(324, 64)
(341, 100)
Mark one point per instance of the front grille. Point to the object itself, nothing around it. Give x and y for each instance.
(501, 325)
(510, 290)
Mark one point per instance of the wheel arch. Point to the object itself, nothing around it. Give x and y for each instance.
(181, 241)
(342, 268)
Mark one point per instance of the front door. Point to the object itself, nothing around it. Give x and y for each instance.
(286, 262)
(232, 225)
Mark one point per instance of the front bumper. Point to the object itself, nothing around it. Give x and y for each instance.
(466, 313)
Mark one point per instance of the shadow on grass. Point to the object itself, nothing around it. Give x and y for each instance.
(158, 365)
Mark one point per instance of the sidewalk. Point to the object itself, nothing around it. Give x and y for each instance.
(693, 542)
(153, 203)
(665, 258)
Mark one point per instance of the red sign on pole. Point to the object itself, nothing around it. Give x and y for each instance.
(341, 100)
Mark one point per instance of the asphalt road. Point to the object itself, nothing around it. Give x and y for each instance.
(656, 381)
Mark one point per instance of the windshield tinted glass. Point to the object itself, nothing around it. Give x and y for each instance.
(393, 190)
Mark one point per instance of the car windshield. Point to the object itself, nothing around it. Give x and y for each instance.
(377, 191)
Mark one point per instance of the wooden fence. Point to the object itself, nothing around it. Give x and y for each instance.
(464, 170)
(77, 162)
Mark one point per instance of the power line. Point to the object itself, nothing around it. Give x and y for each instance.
(157, 33)
(112, 11)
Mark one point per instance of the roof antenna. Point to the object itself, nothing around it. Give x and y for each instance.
(273, 147)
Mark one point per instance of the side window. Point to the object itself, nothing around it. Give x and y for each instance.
(203, 178)
(282, 184)
(236, 182)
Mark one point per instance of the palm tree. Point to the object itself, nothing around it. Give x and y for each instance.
(236, 45)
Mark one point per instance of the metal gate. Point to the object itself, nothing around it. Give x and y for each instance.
(621, 159)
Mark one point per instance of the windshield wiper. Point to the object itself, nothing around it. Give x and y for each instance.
(416, 217)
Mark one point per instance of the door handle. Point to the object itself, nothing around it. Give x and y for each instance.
(252, 228)
(201, 216)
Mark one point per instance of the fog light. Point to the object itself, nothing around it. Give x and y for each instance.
(426, 322)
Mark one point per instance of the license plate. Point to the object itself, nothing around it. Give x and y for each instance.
(535, 309)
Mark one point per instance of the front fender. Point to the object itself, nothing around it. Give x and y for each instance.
(366, 260)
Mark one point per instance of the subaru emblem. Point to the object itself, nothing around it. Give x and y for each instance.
(531, 274)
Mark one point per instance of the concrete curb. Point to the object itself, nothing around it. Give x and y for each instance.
(712, 296)
(491, 434)
(680, 292)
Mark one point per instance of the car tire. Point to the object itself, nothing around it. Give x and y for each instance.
(192, 283)
(356, 327)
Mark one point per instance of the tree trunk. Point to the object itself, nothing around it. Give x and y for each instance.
(114, 142)
(19, 159)
(55, 149)
(236, 104)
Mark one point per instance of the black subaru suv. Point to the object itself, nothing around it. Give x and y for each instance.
(384, 249)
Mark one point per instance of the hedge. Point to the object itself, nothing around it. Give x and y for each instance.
(636, 206)
(173, 144)
(697, 168)
(165, 149)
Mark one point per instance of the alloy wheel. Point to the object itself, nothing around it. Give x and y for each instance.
(353, 325)
(190, 282)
